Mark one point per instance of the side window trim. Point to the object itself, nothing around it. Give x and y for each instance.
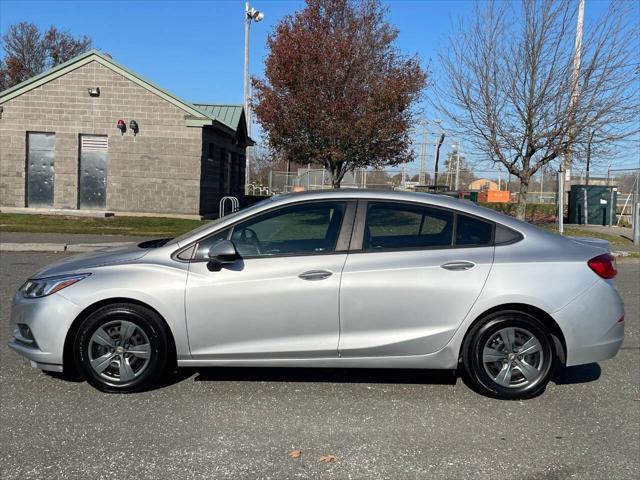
(345, 233)
(357, 237)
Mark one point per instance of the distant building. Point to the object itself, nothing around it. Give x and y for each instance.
(483, 184)
(90, 134)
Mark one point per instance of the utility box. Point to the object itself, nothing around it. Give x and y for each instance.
(471, 195)
(592, 204)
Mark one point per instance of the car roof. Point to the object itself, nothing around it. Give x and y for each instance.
(371, 194)
(433, 199)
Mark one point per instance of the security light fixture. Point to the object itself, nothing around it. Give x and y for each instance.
(133, 125)
(255, 15)
(121, 126)
(94, 91)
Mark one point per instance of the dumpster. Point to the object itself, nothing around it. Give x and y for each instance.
(494, 196)
(592, 204)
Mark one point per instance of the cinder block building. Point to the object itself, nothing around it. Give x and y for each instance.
(90, 134)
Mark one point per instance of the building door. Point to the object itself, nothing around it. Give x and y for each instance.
(40, 169)
(94, 157)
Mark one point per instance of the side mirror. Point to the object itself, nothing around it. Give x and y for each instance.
(223, 253)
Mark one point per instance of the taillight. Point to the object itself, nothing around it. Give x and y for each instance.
(604, 265)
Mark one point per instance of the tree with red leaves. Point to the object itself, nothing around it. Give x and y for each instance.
(337, 92)
(28, 52)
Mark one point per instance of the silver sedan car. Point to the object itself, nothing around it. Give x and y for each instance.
(343, 279)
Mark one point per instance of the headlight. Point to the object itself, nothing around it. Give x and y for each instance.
(41, 287)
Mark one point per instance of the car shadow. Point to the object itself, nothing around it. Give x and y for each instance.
(323, 375)
(577, 374)
(562, 376)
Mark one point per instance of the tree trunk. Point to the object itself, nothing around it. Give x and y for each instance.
(336, 175)
(521, 208)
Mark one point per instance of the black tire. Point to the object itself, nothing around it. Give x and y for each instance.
(150, 325)
(485, 331)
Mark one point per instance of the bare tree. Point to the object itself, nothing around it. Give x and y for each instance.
(28, 52)
(264, 161)
(62, 46)
(509, 83)
(24, 54)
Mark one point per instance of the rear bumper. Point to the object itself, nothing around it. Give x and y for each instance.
(590, 324)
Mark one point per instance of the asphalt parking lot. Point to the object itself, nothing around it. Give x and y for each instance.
(242, 423)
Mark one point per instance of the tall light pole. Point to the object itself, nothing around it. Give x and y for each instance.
(438, 144)
(575, 77)
(425, 143)
(250, 14)
(457, 177)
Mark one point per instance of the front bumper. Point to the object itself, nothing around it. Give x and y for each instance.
(591, 324)
(48, 319)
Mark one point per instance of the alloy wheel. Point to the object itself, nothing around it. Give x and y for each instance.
(513, 357)
(119, 351)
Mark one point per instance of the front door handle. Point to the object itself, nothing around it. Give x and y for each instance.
(315, 275)
(458, 266)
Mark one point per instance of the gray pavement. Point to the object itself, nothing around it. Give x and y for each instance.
(241, 423)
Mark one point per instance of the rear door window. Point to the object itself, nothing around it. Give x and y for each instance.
(392, 225)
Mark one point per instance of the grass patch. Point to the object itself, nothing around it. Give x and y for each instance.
(535, 212)
(135, 226)
(577, 232)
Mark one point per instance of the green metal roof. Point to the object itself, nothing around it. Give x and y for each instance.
(229, 115)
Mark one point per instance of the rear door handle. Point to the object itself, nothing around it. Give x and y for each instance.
(458, 266)
(315, 275)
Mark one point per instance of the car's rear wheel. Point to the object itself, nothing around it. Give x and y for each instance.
(509, 355)
(121, 348)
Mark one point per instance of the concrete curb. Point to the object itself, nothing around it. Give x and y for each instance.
(58, 247)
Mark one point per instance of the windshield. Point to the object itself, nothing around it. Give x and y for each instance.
(208, 225)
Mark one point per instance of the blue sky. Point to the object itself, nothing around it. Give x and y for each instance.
(195, 48)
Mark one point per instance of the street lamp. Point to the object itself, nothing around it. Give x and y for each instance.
(250, 14)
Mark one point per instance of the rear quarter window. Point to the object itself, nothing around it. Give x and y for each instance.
(473, 232)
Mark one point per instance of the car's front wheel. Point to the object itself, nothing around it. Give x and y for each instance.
(121, 348)
(509, 355)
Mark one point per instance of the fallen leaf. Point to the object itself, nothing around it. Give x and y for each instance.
(295, 453)
(328, 458)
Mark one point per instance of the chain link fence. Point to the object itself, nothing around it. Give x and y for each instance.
(542, 187)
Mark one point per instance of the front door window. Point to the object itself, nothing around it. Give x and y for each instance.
(304, 229)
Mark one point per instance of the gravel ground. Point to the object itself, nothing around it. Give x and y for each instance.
(241, 423)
